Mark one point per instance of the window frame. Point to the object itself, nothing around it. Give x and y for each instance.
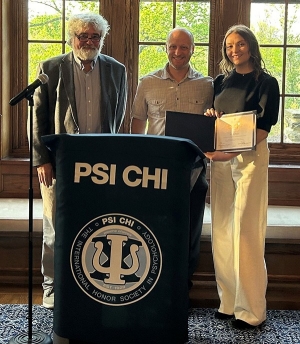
(281, 152)
(124, 28)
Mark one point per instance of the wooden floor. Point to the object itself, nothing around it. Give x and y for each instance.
(12, 294)
(202, 295)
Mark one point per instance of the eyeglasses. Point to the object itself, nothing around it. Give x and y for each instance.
(84, 37)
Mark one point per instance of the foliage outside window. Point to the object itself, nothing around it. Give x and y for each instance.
(47, 28)
(276, 25)
(157, 18)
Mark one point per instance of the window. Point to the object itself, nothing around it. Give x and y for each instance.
(276, 25)
(47, 29)
(157, 18)
(34, 30)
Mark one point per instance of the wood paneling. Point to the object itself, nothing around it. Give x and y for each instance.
(19, 294)
(284, 182)
(14, 77)
(14, 177)
(284, 185)
(14, 259)
(282, 259)
(121, 42)
(222, 17)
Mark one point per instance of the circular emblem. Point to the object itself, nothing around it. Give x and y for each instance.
(116, 259)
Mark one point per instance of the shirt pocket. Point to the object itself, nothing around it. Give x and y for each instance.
(195, 105)
(156, 108)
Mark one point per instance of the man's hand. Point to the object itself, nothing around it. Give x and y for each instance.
(138, 126)
(45, 174)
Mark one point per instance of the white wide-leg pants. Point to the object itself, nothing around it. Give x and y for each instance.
(239, 201)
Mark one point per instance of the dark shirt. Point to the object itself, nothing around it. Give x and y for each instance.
(242, 92)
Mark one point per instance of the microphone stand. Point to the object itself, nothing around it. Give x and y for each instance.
(32, 336)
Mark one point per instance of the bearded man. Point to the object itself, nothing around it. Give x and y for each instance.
(86, 93)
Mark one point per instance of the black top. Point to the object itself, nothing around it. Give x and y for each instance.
(242, 92)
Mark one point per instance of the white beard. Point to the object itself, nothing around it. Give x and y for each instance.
(87, 54)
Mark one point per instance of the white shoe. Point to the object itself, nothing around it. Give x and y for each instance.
(48, 298)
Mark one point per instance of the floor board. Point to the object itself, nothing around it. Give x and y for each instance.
(12, 294)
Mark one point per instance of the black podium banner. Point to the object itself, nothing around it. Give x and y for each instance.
(122, 237)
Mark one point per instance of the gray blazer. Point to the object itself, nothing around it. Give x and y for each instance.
(55, 110)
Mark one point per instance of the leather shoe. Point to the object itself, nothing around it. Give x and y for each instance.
(223, 316)
(242, 325)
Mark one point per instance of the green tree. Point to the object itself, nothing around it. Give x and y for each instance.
(45, 28)
(156, 20)
(270, 31)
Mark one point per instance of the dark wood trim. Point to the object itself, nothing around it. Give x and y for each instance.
(282, 259)
(15, 260)
(122, 41)
(285, 154)
(14, 179)
(284, 182)
(14, 134)
(283, 292)
(279, 295)
(284, 185)
(221, 18)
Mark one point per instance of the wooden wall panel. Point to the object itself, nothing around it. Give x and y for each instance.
(222, 17)
(284, 182)
(283, 292)
(284, 185)
(120, 43)
(282, 259)
(14, 177)
(14, 259)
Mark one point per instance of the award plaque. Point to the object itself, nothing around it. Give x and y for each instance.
(235, 132)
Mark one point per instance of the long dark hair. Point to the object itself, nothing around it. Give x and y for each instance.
(258, 63)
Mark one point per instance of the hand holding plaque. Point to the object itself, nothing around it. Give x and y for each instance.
(230, 133)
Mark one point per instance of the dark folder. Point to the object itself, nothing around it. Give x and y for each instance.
(198, 128)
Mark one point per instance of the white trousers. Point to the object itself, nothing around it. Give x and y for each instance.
(239, 202)
(47, 261)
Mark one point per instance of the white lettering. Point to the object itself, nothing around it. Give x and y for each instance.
(126, 177)
(109, 220)
(132, 176)
(105, 297)
(81, 170)
(99, 169)
(126, 222)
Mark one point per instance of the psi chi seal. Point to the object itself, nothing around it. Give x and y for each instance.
(116, 259)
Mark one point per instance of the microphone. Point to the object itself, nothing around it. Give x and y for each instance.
(42, 79)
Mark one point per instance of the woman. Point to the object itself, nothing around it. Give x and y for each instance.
(239, 182)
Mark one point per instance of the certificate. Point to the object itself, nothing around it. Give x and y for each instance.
(236, 132)
(230, 133)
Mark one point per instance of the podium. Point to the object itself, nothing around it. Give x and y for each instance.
(122, 237)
